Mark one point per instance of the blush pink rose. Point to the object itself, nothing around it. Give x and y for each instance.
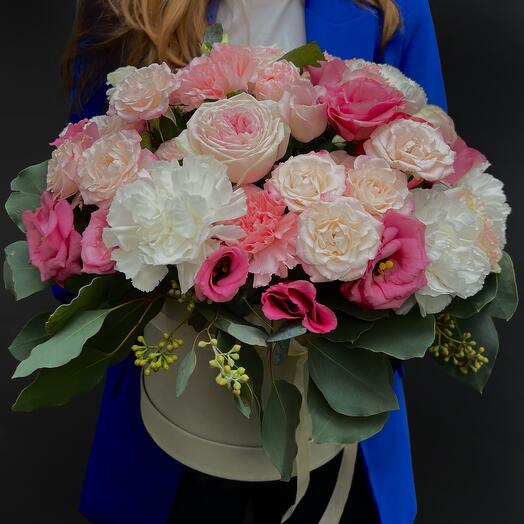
(274, 80)
(398, 270)
(169, 151)
(96, 257)
(466, 159)
(53, 242)
(297, 301)
(222, 274)
(270, 235)
(83, 133)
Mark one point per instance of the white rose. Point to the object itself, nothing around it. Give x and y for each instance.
(304, 180)
(120, 74)
(415, 148)
(440, 120)
(143, 94)
(248, 136)
(376, 186)
(172, 214)
(112, 160)
(458, 266)
(107, 124)
(484, 194)
(336, 240)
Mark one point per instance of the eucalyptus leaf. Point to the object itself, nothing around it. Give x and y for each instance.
(65, 345)
(355, 382)
(26, 189)
(401, 336)
(330, 426)
(213, 34)
(250, 359)
(20, 277)
(337, 302)
(465, 308)
(31, 335)
(245, 401)
(483, 331)
(279, 424)
(287, 331)
(89, 296)
(279, 352)
(184, 370)
(348, 329)
(505, 303)
(306, 55)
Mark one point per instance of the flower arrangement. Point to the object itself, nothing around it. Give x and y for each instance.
(279, 197)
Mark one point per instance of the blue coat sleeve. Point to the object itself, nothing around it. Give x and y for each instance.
(414, 50)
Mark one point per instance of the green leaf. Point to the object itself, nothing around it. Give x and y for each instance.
(348, 329)
(287, 331)
(306, 55)
(65, 345)
(89, 297)
(213, 34)
(279, 424)
(184, 370)
(401, 336)
(236, 327)
(505, 303)
(26, 189)
(330, 426)
(245, 401)
(465, 308)
(57, 386)
(20, 277)
(32, 334)
(280, 351)
(355, 382)
(337, 302)
(250, 359)
(483, 331)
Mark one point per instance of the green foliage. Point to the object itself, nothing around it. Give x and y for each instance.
(505, 303)
(336, 301)
(465, 308)
(31, 335)
(330, 426)
(287, 331)
(20, 277)
(184, 370)
(279, 424)
(354, 382)
(26, 189)
(214, 34)
(280, 351)
(306, 55)
(401, 336)
(348, 329)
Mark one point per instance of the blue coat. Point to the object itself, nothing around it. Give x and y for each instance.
(123, 456)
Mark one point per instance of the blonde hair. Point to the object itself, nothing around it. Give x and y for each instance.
(139, 32)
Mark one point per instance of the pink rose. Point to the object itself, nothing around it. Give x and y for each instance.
(96, 257)
(297, 301)
(53, 242)
(466, 159)
(342, 158)
(358, 100)
(398, 270)
(270, 235)
(169, 151)
(273, 81)
(222, 274)
(83, 133)
(143, 94)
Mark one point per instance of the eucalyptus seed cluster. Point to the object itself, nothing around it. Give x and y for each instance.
(183, 298)
(159, 356)
(457, 348)
(229, 374)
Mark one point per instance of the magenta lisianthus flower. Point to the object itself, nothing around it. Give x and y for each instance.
(297, 301)
(96, 256)
(398, 270)
(222, 274)
(53, 242)
(466, 159)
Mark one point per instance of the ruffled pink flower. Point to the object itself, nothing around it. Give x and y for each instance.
(297, 301)
(274, 80)
(222, 274)
(53, 242)
(83, 133)
(169, 151)
(466, 159)
(398, 270)
(227, 69)
(96, 256)
(270, 235)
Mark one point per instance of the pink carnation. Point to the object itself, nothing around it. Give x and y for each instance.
(53, 242)
(96, 257)
(297, 301)
(222, 274)
(270, 235)
(398, 270)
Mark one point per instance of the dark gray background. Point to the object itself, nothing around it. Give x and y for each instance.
(467, 449)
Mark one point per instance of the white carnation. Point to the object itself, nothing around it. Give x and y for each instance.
(337, 239)
(415, 96)
(458, 266)
(172, 215)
